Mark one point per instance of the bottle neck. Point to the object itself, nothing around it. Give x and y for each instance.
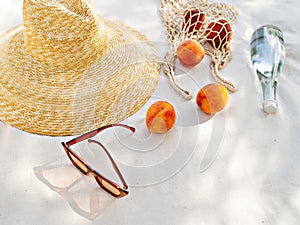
(269, 87)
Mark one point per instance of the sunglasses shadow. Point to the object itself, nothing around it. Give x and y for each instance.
(81, 192)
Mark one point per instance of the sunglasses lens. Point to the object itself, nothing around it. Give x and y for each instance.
(78, 164)
(108, 186)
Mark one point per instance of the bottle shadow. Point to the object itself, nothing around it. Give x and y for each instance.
(80, 191)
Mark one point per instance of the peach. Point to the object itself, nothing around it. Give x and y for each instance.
(193, 20)
(212, 98)
(160, 117)
(218, 33)
(190, 52)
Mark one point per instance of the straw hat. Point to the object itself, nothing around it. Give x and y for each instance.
(67, 70)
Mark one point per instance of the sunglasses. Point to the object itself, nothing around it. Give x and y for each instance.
(105, 183)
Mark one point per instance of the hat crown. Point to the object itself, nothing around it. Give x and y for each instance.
(64, 34)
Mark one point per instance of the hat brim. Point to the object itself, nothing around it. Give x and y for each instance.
(38, 99)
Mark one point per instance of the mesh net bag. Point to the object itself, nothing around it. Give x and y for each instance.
(207, 22)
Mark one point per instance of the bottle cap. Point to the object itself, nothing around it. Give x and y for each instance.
(270, 106)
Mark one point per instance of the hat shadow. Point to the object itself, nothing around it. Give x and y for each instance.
(81, 192)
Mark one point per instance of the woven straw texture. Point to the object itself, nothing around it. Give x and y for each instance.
(204, 21)
(67, 70)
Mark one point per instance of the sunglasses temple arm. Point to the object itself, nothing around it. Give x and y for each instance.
(125, 186)
(95, 132)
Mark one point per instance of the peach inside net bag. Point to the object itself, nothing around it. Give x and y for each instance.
(67, 70)
(210, 23)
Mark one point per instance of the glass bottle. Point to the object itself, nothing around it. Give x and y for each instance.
(267, 55)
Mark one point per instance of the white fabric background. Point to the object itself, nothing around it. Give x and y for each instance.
(244, 166)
